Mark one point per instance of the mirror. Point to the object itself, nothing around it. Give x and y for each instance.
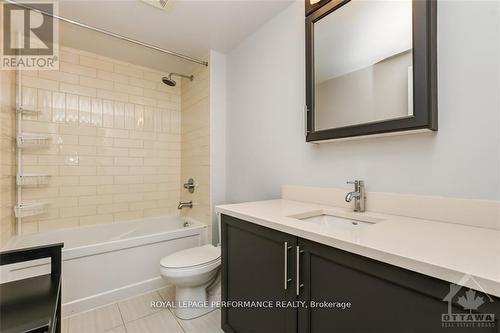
(367, 75)
(361, 73)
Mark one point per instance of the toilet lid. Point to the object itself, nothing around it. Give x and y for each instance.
(195, 256)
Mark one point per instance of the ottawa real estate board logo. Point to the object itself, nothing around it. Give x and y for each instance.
(29, 36)
(472, 302)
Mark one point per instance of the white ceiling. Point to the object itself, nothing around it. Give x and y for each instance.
(188, 27)
(360, 34)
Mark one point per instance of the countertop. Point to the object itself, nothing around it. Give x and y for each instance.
(465, 255)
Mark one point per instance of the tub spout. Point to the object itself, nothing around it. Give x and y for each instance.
(188, 204)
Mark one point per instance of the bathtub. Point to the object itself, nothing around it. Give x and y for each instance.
(105, 263)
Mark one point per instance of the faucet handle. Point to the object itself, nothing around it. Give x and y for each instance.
(357, 184)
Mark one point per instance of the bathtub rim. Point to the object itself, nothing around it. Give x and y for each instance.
(126, 243)
(69, 253)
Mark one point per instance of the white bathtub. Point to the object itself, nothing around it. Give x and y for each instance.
(106, 263)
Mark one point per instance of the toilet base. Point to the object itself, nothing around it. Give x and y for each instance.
(192, 302)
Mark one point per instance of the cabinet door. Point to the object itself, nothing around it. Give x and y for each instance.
(254, 269)
(383, 298)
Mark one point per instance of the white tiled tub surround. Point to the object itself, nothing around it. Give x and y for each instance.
(475, 213)
(115, 152)
(195, 144)
(448, 251)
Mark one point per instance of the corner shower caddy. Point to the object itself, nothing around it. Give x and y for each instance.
(32, 141)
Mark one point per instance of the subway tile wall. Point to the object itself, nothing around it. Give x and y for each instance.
(115, 151)
(195, 144)
(7, 155)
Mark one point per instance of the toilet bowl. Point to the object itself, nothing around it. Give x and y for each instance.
(191, 271)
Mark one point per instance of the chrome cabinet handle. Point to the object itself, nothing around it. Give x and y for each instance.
(286, 280)
(297, 266)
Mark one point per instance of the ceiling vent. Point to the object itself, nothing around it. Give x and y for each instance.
(160, 4)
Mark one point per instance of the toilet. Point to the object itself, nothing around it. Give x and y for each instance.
(191, 271)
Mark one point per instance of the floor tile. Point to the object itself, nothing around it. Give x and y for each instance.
(209, 323)
(161, 322)
(96, 321)
(167, 293)
(119, 329)
(138, 307)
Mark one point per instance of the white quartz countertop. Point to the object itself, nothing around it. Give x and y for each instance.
(465, 255)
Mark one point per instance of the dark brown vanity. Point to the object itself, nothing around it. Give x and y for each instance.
(264, 265)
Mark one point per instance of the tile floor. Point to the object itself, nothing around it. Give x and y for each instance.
(135, 315)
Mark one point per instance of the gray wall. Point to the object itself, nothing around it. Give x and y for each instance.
(265, 98)
(370, 94)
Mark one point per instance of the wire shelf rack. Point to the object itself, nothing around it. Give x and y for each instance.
(32, 179)
(27, 111)
(30, 209)
(26, 140)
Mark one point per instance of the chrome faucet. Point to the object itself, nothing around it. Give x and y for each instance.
(182, 204)
(358, 194)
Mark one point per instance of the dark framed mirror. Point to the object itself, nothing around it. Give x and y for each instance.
(371, 68)
(312, 5)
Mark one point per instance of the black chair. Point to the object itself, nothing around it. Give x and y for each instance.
(32, 304)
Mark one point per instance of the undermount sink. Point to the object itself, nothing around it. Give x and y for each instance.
(335, 220)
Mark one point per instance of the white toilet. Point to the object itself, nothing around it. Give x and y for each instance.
(191, 271)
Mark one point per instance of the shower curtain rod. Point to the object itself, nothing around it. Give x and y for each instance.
(109, 33)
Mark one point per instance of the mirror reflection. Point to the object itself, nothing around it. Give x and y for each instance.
(363, 64)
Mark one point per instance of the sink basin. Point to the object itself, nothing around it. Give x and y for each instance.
(335, 221)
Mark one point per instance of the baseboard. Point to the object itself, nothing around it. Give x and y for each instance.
(111, 296)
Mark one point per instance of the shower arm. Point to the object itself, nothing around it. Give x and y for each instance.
(189, 77)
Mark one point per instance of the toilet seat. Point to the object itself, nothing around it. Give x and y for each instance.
(202, 257)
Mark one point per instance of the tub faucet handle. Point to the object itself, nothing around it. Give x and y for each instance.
(190, 185)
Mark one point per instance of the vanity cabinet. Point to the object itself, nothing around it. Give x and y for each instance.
(254, 268)
(377, 297)
(383, 298)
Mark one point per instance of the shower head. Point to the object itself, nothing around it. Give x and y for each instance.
(171, 82)
(168, 81)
